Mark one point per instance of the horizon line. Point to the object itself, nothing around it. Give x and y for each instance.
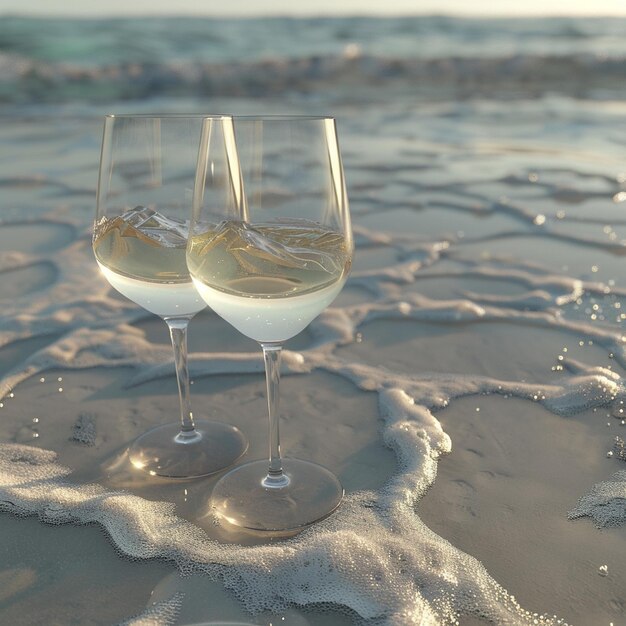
(282, 15)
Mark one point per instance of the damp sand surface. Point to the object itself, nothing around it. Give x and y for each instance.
(466, 387)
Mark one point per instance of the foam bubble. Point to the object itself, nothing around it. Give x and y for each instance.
(605, 503)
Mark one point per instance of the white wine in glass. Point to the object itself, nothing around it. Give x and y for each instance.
(147, 171)
(269, 262)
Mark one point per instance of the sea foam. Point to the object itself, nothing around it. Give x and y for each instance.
(605, 503)
(374, 557)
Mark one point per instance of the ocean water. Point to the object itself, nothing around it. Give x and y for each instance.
(486, 167)
(91, 60)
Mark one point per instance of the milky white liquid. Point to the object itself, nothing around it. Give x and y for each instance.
(163, 299)
(269, 320)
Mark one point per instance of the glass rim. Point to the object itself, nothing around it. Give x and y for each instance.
(110, 116)
(280, 118)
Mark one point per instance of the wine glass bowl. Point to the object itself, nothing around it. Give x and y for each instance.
(269, 261)
(141, 229)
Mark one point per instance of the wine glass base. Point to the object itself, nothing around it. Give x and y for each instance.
(166, 451)
(242, 499)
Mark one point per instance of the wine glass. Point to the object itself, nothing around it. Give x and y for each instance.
(145, 188)
(268, 262)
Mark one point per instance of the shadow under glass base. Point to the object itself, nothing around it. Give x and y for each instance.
(242, 499)
(166, 451)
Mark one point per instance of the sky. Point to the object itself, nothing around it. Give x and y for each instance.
(329, 7)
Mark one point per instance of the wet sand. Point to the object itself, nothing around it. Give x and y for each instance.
(501, 326)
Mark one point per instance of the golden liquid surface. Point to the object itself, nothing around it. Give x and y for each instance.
(126, 250)
(270, 260)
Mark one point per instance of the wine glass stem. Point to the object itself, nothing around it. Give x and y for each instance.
(178, 334)
(271, 354)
